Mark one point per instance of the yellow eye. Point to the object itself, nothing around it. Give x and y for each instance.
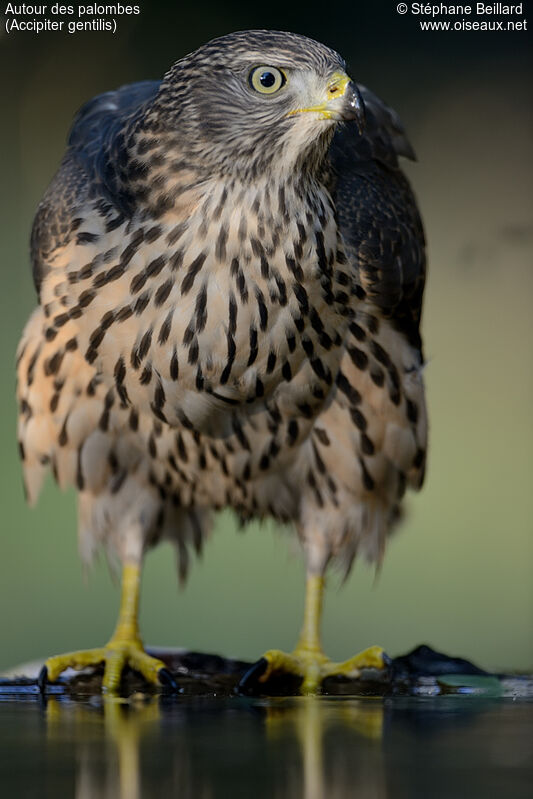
(267, 80)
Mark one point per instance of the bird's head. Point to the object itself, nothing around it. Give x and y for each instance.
(258, 101)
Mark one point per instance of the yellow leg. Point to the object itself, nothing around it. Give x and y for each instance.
(124, 648)
(308, 659)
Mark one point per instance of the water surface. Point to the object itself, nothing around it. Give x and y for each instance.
(445, 746)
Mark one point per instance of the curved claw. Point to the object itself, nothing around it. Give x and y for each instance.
(42, 679)
(167, 681)
(248, 682)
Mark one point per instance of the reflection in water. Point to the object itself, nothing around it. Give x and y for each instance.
(106, 765)
(298, 736)
(116, 745)
(327, 769)
(286, 748)
(124, 727)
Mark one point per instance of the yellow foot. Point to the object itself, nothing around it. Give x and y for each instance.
(312, 665)
(116, 655)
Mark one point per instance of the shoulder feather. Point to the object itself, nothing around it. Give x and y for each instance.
(378, 214)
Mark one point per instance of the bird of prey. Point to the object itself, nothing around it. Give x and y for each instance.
(230, 267)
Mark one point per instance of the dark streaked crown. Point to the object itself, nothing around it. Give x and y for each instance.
(287, 49)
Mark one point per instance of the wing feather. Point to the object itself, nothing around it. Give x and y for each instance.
(89, 165)
(378, 215)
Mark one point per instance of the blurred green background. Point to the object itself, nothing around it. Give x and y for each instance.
(458, 575)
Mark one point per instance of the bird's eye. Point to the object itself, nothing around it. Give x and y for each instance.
(267, 80)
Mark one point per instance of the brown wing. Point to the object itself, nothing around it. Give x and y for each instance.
(379, 217)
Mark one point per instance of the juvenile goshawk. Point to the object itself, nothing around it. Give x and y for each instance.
(230, 268)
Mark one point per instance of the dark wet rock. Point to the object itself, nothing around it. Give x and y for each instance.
(423, 661)
(199, 674)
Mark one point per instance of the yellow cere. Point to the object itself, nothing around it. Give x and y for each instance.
(336, 88)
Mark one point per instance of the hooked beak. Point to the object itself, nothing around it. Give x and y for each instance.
(343, 102)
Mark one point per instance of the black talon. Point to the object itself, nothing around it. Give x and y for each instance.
(388, 666)
(167, 680)
(249, 681)
(42, 679)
